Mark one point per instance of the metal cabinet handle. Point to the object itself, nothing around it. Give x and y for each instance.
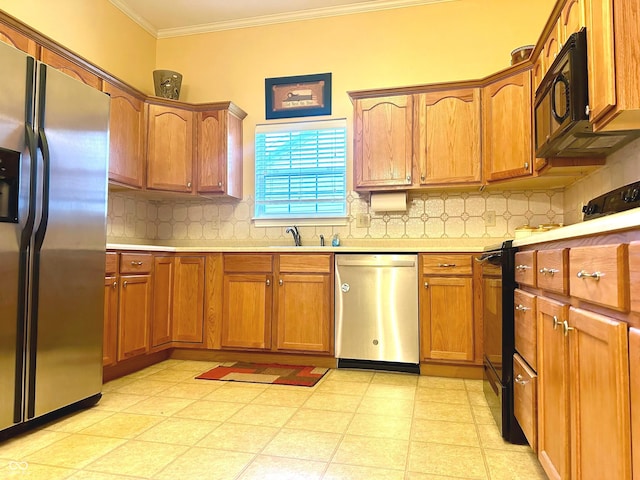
(550, 271)
(268, 282)
(280, 282)
(422, 177)
(526, 165)
(566, 327)
(188, 184)
(136, 263)
(522, 308)
(124, 284)
(426, 284)
(409, 178)
(556, 322)
(520, 380)
(522, 267)
(115, 284)
(446, 265)
(219, 184)
(584, 274)
(587, 110)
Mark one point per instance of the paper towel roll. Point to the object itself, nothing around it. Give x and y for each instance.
(389, 202)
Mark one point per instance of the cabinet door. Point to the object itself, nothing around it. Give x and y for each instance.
(72, 69)
(163, 274)
(552, 46)
(170, 149)
(507, 123)
(383, 145)
(188, 303)
(634, 388)
(600, 418)
(553, 389)
(571, 19)
(304, 312)
(446, 311)
(449, 137)
(17, 39)
(600, 57)
(110, 335)
(246, 316)
(134, 314)
(126, 137)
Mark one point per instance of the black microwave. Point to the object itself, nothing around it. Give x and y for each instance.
(562, 127)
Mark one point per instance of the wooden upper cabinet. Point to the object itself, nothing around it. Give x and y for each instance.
(70, 68)
(170, 148)
(219, 151)
(448, 136)
(537, 74)
(552, 46)
(383, 142)
(571, 19)
(17, 40)
(507, 119)
(126, 137)
(613, 50)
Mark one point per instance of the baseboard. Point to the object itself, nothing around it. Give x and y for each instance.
(134, 364)
(473, 372)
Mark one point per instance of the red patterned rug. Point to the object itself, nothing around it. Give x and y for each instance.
(303, 376)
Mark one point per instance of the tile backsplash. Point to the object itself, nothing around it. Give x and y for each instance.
(438, 215)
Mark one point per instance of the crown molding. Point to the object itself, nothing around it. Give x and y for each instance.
(361, 7)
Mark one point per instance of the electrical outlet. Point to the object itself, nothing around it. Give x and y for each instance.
(490, 218)
(363, 220)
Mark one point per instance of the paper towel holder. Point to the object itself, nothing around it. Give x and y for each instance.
(388, 201)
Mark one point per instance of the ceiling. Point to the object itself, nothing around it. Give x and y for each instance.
(169, 18)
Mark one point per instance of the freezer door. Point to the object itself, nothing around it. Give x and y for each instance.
(15, 165)
(65, 357)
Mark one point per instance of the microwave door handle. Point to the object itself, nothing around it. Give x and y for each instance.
(560, 78)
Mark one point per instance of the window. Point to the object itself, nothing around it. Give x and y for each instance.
(301, 170)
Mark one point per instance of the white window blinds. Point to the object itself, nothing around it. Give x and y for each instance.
(301, 169)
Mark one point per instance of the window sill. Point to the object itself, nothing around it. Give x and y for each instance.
(301, 221)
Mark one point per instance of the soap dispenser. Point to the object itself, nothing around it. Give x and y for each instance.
(336, 241)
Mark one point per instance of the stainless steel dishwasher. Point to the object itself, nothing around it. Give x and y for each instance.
(376, 312)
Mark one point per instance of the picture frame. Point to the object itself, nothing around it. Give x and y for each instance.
(297, 96)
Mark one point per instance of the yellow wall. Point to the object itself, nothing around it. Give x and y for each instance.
(459, 40)
(95, 30)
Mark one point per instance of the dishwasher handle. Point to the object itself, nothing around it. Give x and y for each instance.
(344, 262)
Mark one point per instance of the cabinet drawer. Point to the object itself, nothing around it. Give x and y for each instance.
(525, 404)
(525, 326)
(136, 262)
(303, 263)
(446, 264)
(111, 263)
(552, 272)
(634, 275)
(244, 263)
(599, 274)
(526, 268)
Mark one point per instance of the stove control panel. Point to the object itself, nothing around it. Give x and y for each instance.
(618, 200)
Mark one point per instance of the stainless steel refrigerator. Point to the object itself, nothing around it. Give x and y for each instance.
(54, 148)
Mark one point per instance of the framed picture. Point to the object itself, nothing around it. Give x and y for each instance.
(299, 96)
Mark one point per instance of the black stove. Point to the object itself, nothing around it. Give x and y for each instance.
(618, 200)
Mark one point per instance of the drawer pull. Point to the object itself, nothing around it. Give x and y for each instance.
(595, 275)
(522, 267)
(550, 271)
(520, 380)
(124, 284)
(556, 322)
(567, 328)
(446, 265)
(136, 263)
(522, 308)
(280, 282)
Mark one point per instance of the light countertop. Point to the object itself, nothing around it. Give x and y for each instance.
(610, 223)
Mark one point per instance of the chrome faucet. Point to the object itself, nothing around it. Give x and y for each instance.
(296, 235)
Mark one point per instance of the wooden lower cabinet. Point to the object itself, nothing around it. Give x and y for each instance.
(134, 315)
(246, 311)
(634, 389)
(446, 312)
(163, 273)
(599, 396)
(553, 389)
(303, 318)
(583, 400)
(110, 335)
(188, 300)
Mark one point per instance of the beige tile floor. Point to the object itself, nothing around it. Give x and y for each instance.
(161, 423)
